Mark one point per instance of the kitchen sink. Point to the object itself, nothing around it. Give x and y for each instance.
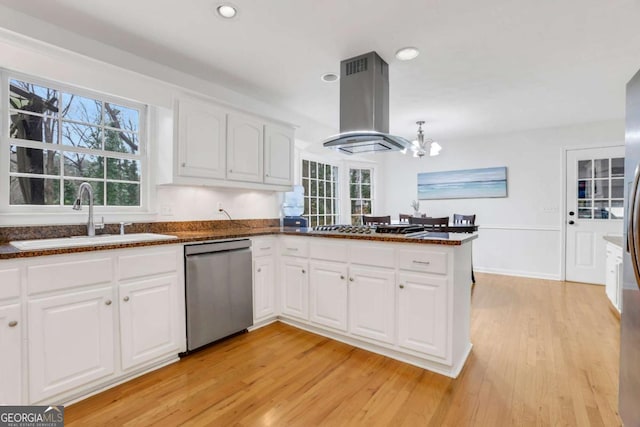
(77, 241)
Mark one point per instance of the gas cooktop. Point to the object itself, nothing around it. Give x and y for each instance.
(368, 229)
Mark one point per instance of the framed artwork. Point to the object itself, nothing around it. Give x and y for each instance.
(463, 184)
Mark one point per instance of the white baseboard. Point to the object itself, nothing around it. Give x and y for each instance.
(517, 273)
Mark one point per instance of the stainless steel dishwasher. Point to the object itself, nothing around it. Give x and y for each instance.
(219, 296)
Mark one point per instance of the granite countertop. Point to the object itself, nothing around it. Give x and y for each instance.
(193, 236)
(616, 240)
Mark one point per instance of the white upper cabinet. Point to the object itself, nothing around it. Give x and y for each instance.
(202, 130)
(245, 148)
(278, 155)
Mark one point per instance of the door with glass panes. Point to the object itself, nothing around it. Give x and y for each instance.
(595, 198)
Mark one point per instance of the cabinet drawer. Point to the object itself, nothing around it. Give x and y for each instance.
(425, 261)
(9, 283)
(294, 247)
(147, 264)
(377, 255)
(328, 250)
(263, 246)
(68, 274)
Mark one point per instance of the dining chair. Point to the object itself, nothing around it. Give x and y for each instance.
(464, 219)
(405, 217)
(434, 222)
(373, 220)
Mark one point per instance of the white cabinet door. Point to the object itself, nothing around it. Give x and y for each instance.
(295, 287)
(201, 139)
(149, 325)
(245, 145)
(278, 155)
(422, 314)
(264, 292)
(372, 303)
(10, 355)
(328, 286)
(70, 341)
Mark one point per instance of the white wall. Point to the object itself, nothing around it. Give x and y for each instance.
(522, 233)
(89, 64)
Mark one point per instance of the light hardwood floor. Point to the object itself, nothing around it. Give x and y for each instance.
(545, 353)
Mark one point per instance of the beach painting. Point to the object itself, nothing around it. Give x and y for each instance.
(463, 184)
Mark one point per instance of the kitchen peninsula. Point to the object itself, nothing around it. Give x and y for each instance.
(403, 297)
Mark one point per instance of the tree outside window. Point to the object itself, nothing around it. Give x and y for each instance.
(360, 194)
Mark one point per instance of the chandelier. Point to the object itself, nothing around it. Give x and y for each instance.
(421, 146)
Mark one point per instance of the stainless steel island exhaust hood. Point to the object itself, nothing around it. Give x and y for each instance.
(364, 108)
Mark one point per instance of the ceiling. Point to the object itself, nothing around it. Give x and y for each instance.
(485, 67)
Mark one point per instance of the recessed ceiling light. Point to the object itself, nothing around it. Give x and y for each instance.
(407, 53)
(329, 77)
(226, 11)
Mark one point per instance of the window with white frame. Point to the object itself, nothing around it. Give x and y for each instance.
(360, 194)
(59, 137)
(320, 182)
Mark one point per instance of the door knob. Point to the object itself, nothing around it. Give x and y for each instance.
(341, 277)
(572, 222)
(125, 299)
(107, 302)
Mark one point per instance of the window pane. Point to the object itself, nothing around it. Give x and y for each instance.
(356, 207)
(314, 188)
(313, 170)
(366, 207)
(71, 192)
(601, 189)
(123, 169)
(327, 172)
(34, 128)
(617, 166)
(617, 209)
(354, 176)
(321, 188)
(117, 116)
(585, 213)
(354, 191)
(584, 203)
(306, 206)
(366, 191)
(81, 109)
(366, 176)
(32, 160)
(121, 194)
(584, 189)
(29, 97)
(121, 142)
(601, 168)
(321, 171)
(321, 206)
(584, 169)
(617, 188)
(81, 136)
(83, 165)
(305, 168)
(356, 219)
(601, 210)
(34, 191)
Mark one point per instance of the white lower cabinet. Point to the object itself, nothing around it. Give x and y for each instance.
(422, 314)
(329, 289)
(71, 341)
(264, 289)
(10, 354)
(372, 303)
(613, 275)
(295, 287)
(149, 327)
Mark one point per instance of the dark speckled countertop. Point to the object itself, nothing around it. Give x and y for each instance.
(200, 231)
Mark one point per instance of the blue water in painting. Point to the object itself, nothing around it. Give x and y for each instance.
(462, 190)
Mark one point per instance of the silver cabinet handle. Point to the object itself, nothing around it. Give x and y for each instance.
(13, 324)
(125, 299)
(401, 286)
(265, 248)
(107, 302)
(292, 249)
(303, 271)
(422, 262)
(259, 270)
(184, 164)
(230, 170)
(351, 279)
(341, 277)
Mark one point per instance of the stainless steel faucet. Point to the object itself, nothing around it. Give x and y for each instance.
(91, 225)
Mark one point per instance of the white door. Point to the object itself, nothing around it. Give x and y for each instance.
(595, 198)
(202, 133)
(422, 314)
(295, 293)
(245, 145)
(149, 325)
(328, 287)
(278, 155)
(372, 303)
(70, 341)
(264, 304)
(10, 355)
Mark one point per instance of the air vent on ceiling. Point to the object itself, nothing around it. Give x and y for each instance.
(357, 66)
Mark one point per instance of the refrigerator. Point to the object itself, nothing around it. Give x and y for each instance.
(629, 392)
